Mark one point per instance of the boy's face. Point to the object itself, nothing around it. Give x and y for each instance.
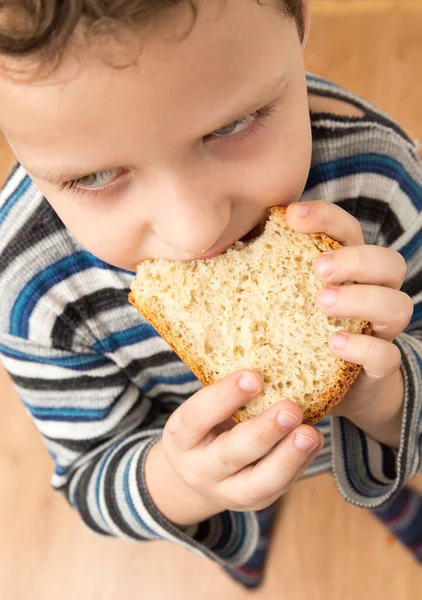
(180, 153)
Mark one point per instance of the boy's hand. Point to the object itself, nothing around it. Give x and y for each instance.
(375, 401)
(221, 466)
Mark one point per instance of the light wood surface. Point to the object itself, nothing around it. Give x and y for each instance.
(323, 548)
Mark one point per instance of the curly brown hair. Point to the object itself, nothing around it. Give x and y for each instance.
(44, 28)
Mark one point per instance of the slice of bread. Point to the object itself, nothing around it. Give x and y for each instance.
(253, 307)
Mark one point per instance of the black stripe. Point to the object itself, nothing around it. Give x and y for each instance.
(110, 486)
(389, 467)
(413, 285)
(81, 495)
(84, 382)
(369, 115)
(131, 418)
(43, 223)
(87, 307)
(371, 210)
(165, 358)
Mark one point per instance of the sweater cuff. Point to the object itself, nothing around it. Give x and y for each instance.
(367, 473)
(229, 538)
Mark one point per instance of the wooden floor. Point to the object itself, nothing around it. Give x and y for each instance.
(324, 549)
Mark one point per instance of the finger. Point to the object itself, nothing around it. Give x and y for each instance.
(389, 310)
(363, 264)
(251, 440)
(254, 485)
(325, 217)
(212, 405)
(378, 358)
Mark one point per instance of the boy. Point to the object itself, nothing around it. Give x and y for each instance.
(165, 129)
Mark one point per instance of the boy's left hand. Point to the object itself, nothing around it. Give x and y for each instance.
(377, 273)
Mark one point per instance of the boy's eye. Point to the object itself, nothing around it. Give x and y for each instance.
(235, 126)
(95, 180)
(246, 123)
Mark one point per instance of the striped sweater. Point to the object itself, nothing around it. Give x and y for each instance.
(99, 383)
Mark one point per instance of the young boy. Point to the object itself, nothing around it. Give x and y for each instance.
(165, 129)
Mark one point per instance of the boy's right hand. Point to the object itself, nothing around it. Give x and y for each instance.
(229, 469)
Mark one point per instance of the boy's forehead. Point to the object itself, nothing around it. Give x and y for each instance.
(222, 61)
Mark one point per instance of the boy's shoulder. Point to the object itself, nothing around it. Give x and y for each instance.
(48, 281)
(362, 159)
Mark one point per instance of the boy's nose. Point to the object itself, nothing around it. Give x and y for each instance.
(189, 222)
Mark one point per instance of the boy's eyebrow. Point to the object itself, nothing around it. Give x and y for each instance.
(264, 93)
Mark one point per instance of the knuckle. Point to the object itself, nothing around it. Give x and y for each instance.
(228, 462)
(406, 310)
(395, 360)
(355, 227)
(188, 422)
(401, 266)
(255, 497)
(368, 348)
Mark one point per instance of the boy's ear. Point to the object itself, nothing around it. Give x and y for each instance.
(306, 16)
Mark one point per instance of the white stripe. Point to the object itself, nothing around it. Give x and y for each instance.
(385, 129)
(49, 372)
(68, 398)
(375, 460)
(13, 183)
(112, 525)
(120, 497)
(378, 187)
(74, 287)
(91, 498)
(68, 430)
(319, 85)
(21, 212)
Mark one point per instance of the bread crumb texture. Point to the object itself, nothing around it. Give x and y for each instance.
(253, 307)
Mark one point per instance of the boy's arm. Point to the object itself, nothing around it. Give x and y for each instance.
(368, 472)
(99, 428)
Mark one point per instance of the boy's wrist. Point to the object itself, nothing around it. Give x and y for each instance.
(176, 501)
(383, 417)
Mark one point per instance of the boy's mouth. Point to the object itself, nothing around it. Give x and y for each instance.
(255, 232)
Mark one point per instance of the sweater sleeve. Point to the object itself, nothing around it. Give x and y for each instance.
(98, 427)
(368, 473)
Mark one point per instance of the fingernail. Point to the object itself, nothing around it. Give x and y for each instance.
(287, 420)
(302, 209)
(328, 297)
(305, 443)
(325, 265)
(249, 383)
(339, 341)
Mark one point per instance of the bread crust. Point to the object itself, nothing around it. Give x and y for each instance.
(322, 404)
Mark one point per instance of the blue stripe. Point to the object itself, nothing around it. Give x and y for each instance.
(379, 164)
(315, 79)
(226, 530)
(349, 465)
(76, 362)
(241, 529)
(169, 380)
(412, 246)
(98, 483)
(417, 313)
(42, 283)
(13, 199)
(60, 470)
(127, 337)
(74, 414)
(128, 498)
